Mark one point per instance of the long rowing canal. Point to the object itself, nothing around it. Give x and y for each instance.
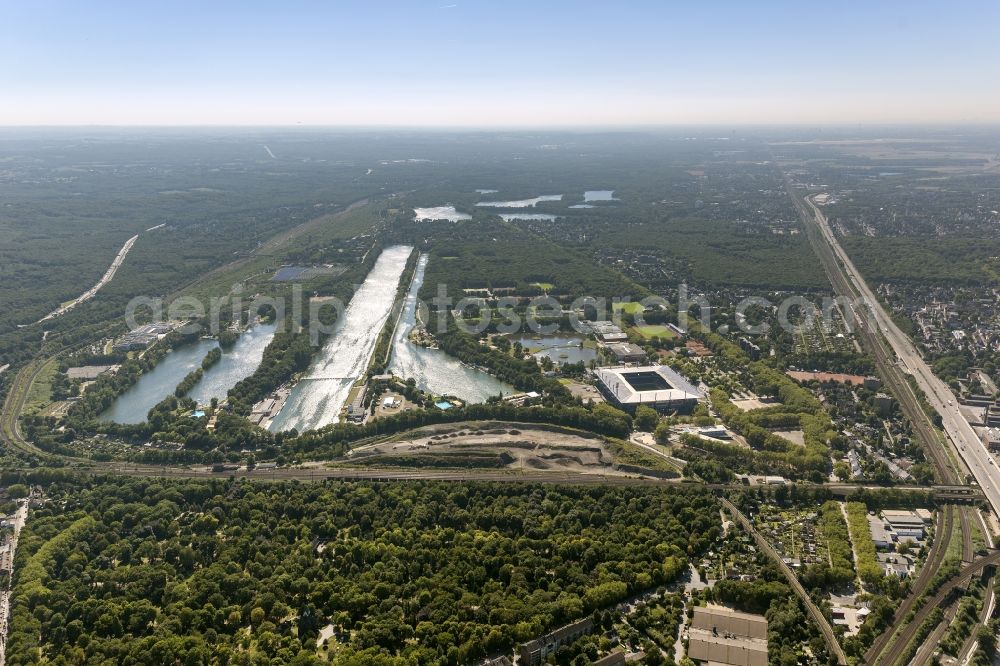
(316, 400)
(433, 370)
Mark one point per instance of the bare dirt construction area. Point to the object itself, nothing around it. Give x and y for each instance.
(749, 404)
(390, 403)
(586, 392)
(514, 446)
(793, 436)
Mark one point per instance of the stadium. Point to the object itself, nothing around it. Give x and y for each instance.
(656, 386)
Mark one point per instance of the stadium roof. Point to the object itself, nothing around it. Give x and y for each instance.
(647, 384)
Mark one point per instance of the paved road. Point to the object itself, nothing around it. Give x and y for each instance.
(90, 293)
(847, 282)
(817, 615)
(17, 396)
(940, 397)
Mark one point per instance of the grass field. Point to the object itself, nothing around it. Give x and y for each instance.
(655, 330)
(630, 307)
(40, 392)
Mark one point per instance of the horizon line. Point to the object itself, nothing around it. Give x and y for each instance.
(495, 127)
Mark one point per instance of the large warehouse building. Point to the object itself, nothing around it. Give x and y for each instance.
(723, 637)
(657, 386)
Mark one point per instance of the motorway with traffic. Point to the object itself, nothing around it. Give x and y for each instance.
(90, 293)
(969, 446)
(895, 352)
(897, 358)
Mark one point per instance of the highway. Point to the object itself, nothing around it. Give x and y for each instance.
(939, 396)
(875, 329)
(894, 351)
(90, 293)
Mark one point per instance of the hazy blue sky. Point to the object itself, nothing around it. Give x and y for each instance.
(470, 62)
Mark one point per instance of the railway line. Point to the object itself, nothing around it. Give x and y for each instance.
(989, 604)
(885, 359)
(925, 653)
(883, 651)
(320, 473)
(941, 598)
(942, 534)
(829, 636)
(17, 396)
(890, 370)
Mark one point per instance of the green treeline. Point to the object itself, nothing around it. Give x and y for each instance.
(37, 581)
(751, 596)
(868, 566)
(287, 354)
(213, 356)
(798, 409)
(188, 382)
(293, 346)
(380, 354)
(836, 566)
(467, 255)
(788, 626)
(107, 387)
(162, 571)
(519, 372)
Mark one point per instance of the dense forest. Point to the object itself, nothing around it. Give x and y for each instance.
(139, 571)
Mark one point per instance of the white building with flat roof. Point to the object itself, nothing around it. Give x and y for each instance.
(607, 331)
(657, 386)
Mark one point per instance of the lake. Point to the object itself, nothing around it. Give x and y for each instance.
(521, 203)
(507, 217)
(433, 370)
(439, 213)
(599, 195)
(316, 400)
(560, 348)
(133, 405)
(237, 363)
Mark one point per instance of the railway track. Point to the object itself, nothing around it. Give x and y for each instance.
(318, 474)
(895, 379)
(989, 605)
(829, 636)
(925, 653)
(17, 396)
(987, 612)
(941, 599)
(942, 534)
